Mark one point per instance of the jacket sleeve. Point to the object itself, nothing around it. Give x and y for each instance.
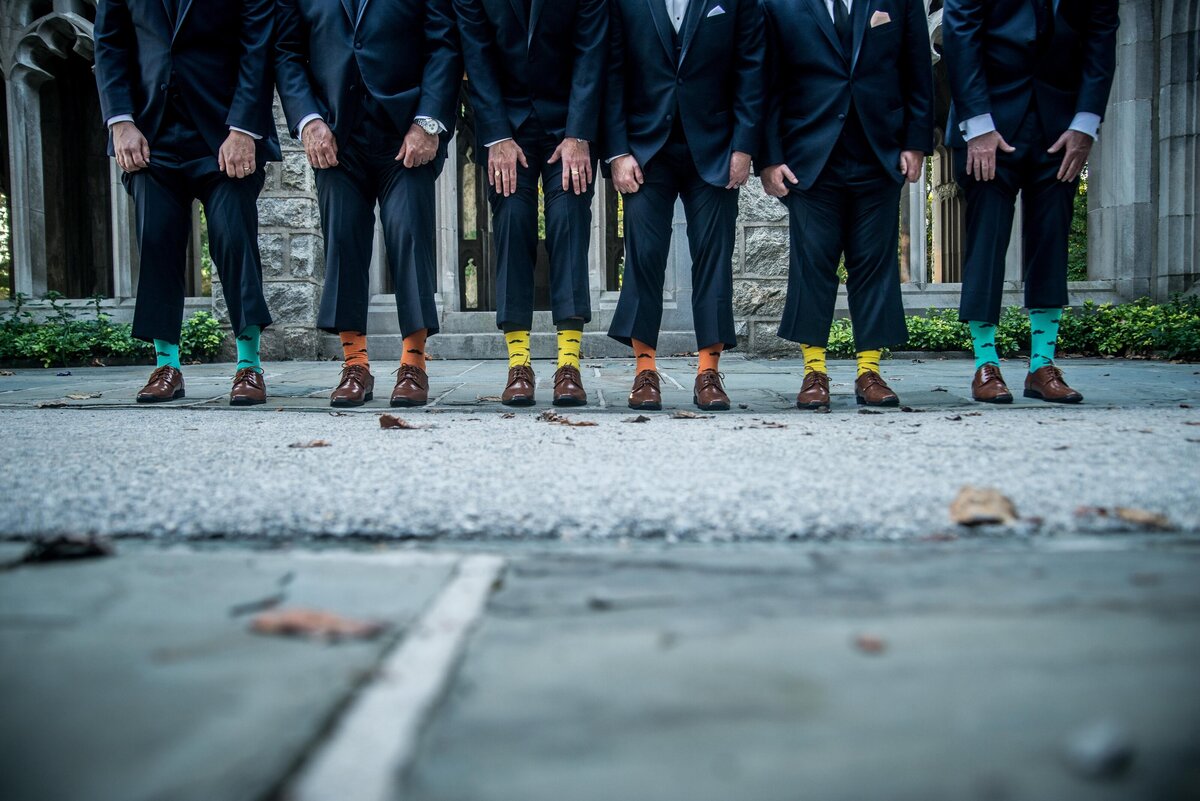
(251, 107)
(749, 85)
(917, 81)
(291, 67)
(587, 78)
(770, 152)
(615, 130)
(114, 41)
(443, 66)
(481, 56)
(962, 47)
(1099, 57)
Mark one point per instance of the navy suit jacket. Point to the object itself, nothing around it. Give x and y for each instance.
(218, 58)
(404, 52)
(717, 86)
(997, 65)
(889, 81)
(552, 64)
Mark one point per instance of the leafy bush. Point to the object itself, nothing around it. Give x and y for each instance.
(65, 337)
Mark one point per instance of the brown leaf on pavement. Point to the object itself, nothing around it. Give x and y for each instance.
(487, 398)
(97, 363)
(558, 419)
(508, 415)
(84, 395)
(641, 418)
(870, 644)
(1144, 518)
(67, 547)
(978, 506)
(314, 624)
(52, 405)
(684, 414)
(392, 421)
(316, 443)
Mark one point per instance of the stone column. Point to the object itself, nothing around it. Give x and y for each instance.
(948, 221)
(760, 272)
(27, 198)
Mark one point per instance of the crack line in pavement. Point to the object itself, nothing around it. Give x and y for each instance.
(377, 737)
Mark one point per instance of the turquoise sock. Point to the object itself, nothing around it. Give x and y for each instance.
(983, 340)
(167, 353)
(1043, 335)
(247, 348)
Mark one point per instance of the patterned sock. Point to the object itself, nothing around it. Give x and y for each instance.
(354, 348)
(570, 343)
(644, 356)
(983, 340)
(710, 357)
(414, 348)
(868, 361)
(247, 348)
(814, 359)
(1043, 325)
(167, 353)
(518, 348)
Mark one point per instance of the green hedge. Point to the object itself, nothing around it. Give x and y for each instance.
(79, 333)
(1141, 329)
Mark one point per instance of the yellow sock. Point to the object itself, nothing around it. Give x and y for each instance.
(814, 359)
(518, 348)
(868, 361)
(569, 344)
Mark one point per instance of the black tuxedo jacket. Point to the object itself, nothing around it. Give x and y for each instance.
(998, 64)
(717, 86)
(551, 64)
(812, 84)
(404, 52)
(217, 57)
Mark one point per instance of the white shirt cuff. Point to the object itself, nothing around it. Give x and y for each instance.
(614, 158)
(977, 126)
(441, 128)
(306, 121)
(498, 141)
(243, 130)
(119, 118)
(1086, 122)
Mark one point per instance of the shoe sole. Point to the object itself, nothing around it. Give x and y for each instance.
(999, 400)
(406, 404)
(805, 407)
(1029, 393)
(646, 407)
(149, 399)
(712, 407)
(569, 402)
(887, 404)
(245, 402)
(520, 402)
(352, 404)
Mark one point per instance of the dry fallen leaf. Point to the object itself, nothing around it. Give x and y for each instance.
(339, 414)
(508, 415)
(316, 443)
(487, 399)
(392, 421)
(314, 624)
(641, 418)
(553, 417)
(98, 363)
(870, 644)
(977, 506)
(51, 405)
(7, 372)
(83, 395)
(1144, 518)
(768, 424)
(684, 414)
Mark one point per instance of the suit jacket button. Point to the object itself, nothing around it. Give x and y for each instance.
(841, 116)
(358, 45)
(163, 87)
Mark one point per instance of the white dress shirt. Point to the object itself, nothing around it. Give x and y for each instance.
(676, 10)
(849, 4)
(129, 118)
(1084, 122)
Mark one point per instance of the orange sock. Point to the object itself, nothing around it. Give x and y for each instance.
(644, 356)
(710, 357)
(354, 347)
(414, 348)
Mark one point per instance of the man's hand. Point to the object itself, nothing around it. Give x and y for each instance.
(236, 156)
(419, 147)
(981, 155)
(739, 170)
(320, 145)
(502, 166)
(1078, 147)
(910, 164)
(576, 157)
(775, 179)
(627, 175)
(131, 148)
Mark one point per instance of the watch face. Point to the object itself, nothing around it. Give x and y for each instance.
(429, 126)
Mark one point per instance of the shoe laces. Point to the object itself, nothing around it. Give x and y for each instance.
(815, 377)
(646, 378)
(356, 372)
(160, 373)
(711, 378)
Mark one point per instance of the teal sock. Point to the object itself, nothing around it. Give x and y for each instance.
(167, 353)
(1043, 336)
(247, 348)
(983, 340)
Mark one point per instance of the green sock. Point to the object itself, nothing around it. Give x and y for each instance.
(983, 340)
(1043, 325)
(247, 348)
(167, 353)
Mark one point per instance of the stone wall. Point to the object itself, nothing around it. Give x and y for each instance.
(760, 271)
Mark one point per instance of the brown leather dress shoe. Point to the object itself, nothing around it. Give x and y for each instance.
(1046, 383)
(989, 386)
(646, 395)
(356, 387)
(165, 384)
(568, 387)
(249, 388)
(412, 387)
(871, 390)
(521, 383)
(709, 395)
(814, 392)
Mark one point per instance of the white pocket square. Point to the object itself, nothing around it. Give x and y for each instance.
(716, 12)
(880, 18)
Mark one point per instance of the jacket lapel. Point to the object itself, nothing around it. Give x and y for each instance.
(658, 12)
(518, 8)
(349, 8)
(825, 23)
(535, 12)
(860, 14)
(362, 9)
(183, 12)
(691, 23)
